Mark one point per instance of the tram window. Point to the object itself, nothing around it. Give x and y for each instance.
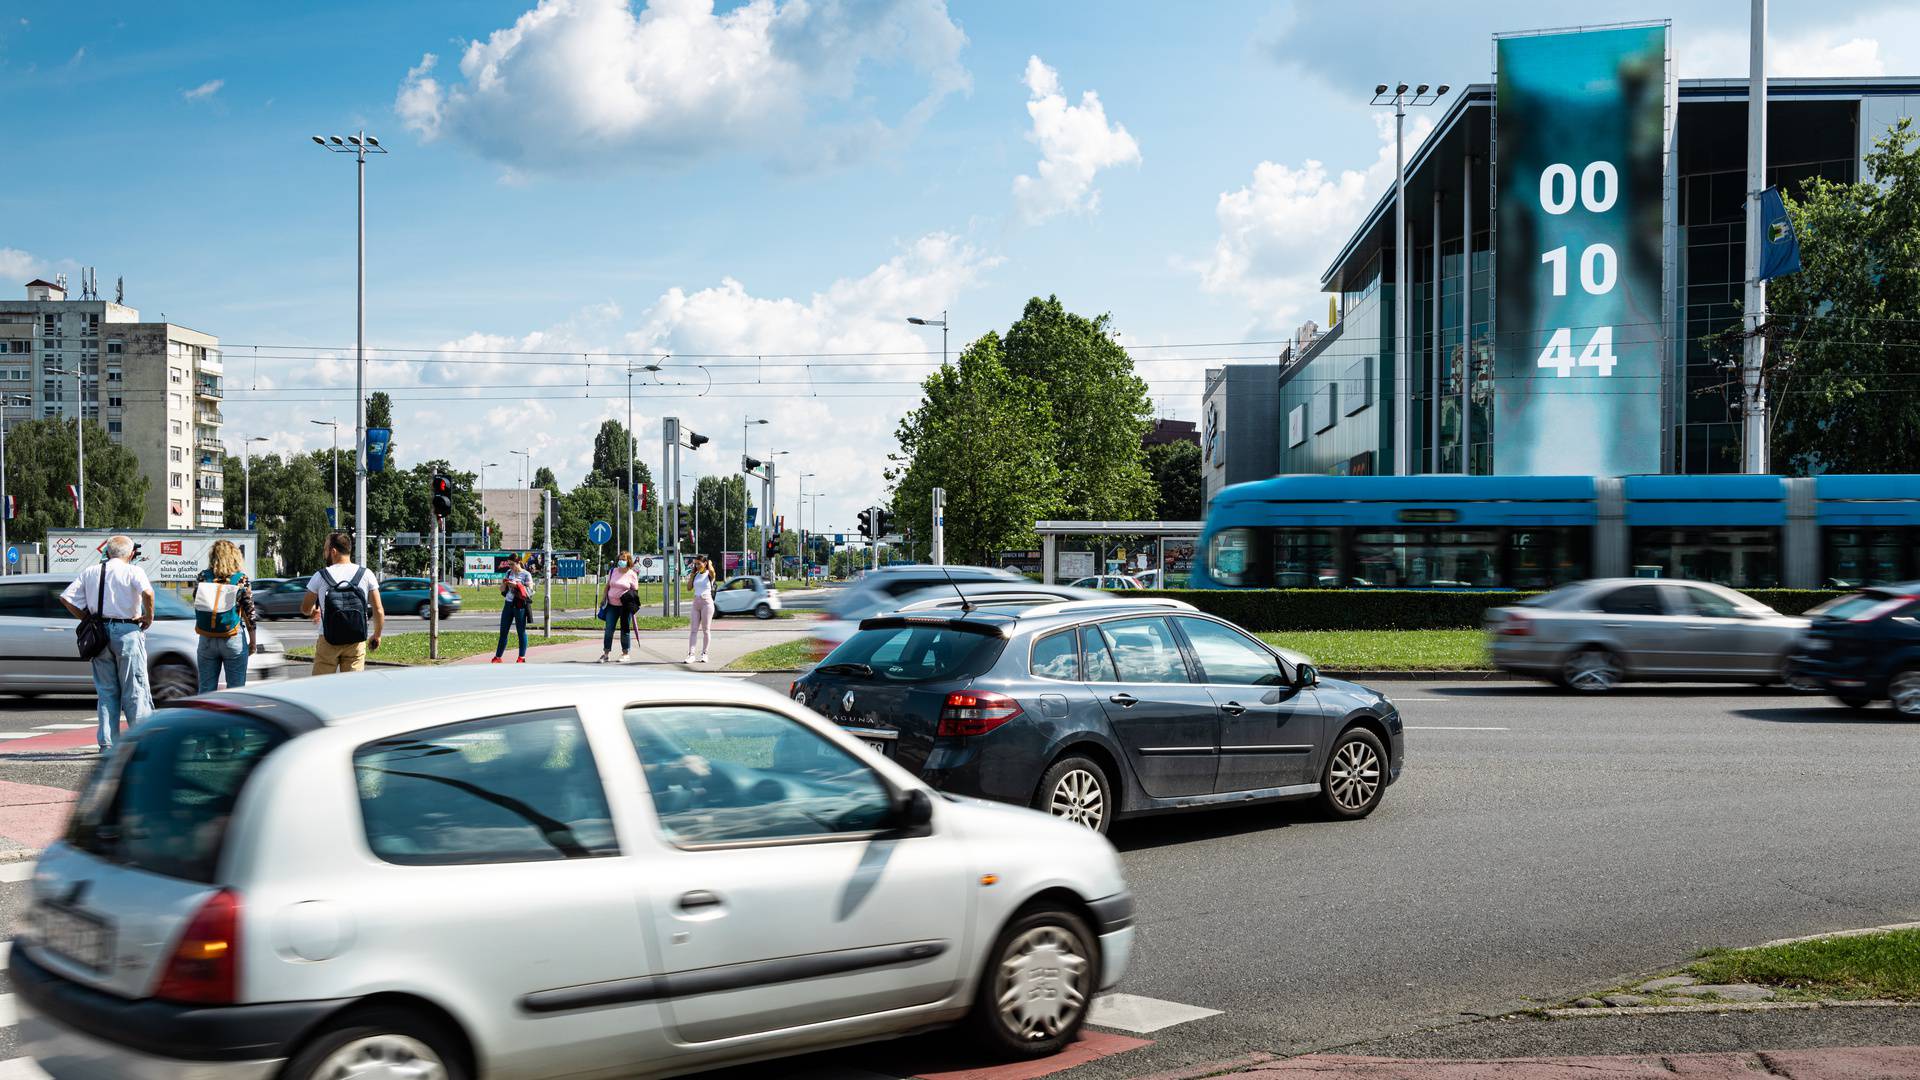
(1856, 558)
(1544, 557)
(1427, 559)
(1230, 557)
(1737, 558)
(1305, 559)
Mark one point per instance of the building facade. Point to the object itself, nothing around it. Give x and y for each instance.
(154, 388)
(1237, 418)
(1335, 404)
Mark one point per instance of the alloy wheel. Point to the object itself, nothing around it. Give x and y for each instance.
(1042, 988)
(1078, 798)
(382, 1057)
(1592, 671)
(1354, 776)
(1903, 691)
(171, 682)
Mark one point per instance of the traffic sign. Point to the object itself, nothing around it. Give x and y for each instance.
(13, 554)
(331, 524)
(599, 532)
(406, 539)
(461, 539)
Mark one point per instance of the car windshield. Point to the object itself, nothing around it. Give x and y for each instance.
(169, 605)
(918, 652)
(1846, 607)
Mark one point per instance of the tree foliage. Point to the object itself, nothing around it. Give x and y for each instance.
(42, 461)
(1844, 332)
(987, 435)
(1175, 471)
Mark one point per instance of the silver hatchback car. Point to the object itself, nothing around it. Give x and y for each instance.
(1593, 635)
(482, 872)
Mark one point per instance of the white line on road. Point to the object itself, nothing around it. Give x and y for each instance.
(9, 1016)
(1430, 727)
(83, 727)
(16, 871)
(23, 734)
(1142, 1015)
(21, 1069)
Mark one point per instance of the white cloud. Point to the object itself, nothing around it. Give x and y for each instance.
(1278, 232)
(204, 91)
(19, 267)
(1075, 142)
(580, 81)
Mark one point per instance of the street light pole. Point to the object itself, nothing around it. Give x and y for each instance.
(746, 496)
(526, 469)
(632, 449)
(335, 426)
(1399, 98)
(246, 479)
(483, 500)
(359, 146)
(941, 322)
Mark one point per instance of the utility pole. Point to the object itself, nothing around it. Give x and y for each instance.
(670, 530)
(1753, 414)
(939, 527)
(546, 563)
(359, 146)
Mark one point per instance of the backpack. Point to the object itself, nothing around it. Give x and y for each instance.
(343, 610)
(215, 603)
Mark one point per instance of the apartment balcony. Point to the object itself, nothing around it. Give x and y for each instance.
(209, 442)
(207, 389)
(211, 504)
(212, 463)
(209, 365)
(207, 415)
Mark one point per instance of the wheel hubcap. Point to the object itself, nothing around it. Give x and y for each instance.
(1904, 691)
(1592, 671)
(382, 1057)
(172, 682)
(1355, 775)
(1078, 798)
(1042, 987)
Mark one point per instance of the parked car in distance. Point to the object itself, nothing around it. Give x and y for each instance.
(37, 653)
(1097, 710)
(1591, 636)
(747, 594)
(1865, 648)
(1109, 581)
(411, 596)
(330, 851)
(879, 590)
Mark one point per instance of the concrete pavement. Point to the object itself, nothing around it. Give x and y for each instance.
(732, 639)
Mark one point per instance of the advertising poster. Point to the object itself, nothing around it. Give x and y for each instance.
(171, 556)
(1580, 133)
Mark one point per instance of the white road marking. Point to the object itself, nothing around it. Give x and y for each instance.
(83, 727)
(1431, 727)
(21, 1069)
(16, 871)
(1396, 701)
(24, 734)
(9, 1016)
(1141, 1015)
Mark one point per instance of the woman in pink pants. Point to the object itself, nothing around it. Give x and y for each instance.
(700, 625)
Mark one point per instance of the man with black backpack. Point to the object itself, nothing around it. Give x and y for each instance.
(343, 600)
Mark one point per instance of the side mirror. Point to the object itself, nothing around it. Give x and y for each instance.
(913, 810)
(1305, 675)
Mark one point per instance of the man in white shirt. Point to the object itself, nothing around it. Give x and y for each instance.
(335, 651)
(120, 592)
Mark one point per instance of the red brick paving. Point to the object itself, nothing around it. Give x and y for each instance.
(1842, 1063)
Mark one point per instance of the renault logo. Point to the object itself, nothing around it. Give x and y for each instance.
(846, 702)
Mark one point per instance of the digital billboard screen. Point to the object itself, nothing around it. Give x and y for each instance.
(1580, 149)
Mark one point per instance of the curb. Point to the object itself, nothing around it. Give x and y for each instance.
(1726, 1007)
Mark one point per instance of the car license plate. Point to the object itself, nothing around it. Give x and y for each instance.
(81, 938)
(879, 746)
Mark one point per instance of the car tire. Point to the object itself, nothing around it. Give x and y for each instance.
(425, 610)
(1592, 670)
(1037, 983)
(1903, 693)
(170, 680)
(1076, 789)
(365, 1039)
(1354, 779)
(763, 610)
(1854, 701)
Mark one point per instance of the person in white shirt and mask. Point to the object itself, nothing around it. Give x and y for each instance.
(121, 594)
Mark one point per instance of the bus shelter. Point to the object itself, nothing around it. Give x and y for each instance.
(1172, 545)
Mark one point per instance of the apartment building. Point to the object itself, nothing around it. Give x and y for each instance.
(154, 387)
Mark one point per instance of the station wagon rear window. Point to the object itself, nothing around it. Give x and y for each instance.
(920, 651)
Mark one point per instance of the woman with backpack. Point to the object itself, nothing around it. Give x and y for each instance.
(618, 603)
(516, 600)
(223, 618)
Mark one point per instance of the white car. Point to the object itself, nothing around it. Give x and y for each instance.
(521, 873)
(37, 653)
(747, 594)
(1109, 581)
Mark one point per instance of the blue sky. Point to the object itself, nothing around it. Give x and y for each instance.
(784, 176)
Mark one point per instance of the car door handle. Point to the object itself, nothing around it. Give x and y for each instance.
(1616, 625)
(1233, 708)
(1699, 627)
(1125, 701)
(53, 629)
(698, 900)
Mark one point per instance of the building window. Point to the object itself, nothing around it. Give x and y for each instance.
(176, 453)
(50, 412)
(176, 401)
(21, 345)
(113, 427)
(175, 481)
(175, 376)
(177, 429)
(113, 401)
(115, 348)
(113, 374)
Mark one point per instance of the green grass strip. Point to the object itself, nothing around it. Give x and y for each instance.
(1881, 965)
(786, 656)
(1388, 650)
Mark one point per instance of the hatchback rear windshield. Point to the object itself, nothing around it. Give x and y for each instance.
(1847, 607)
(161, 803)
(917, 652)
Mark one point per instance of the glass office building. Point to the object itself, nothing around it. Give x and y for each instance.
(1335, 404)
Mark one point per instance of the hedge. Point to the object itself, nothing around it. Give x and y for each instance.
(1264, 610)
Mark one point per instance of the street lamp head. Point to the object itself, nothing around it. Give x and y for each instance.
(1401, 89)
(1381, 89)
(1419, 90)
(1442, 89)
(371, 141)
(336, 140)
(317, 139)
(354, 140)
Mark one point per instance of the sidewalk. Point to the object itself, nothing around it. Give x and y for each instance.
(661, 648)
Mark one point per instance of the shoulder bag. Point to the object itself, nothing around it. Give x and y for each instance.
(90, 637)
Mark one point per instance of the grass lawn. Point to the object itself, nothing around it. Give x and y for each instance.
(1388, 650)
(640, 622)
(454, 644)
(1884, 965)
(566, 594)
(788, 655)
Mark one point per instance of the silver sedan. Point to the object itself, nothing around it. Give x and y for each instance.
(1593, 635)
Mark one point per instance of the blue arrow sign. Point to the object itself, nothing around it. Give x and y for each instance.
(599, 532)
(13, 554)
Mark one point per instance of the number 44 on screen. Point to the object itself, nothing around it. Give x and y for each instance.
(1598, 352)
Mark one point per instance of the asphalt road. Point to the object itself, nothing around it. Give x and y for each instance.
(1538, 846)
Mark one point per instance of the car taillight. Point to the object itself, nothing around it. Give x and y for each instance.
(1517, 625)
(205, 966)
(975, 712)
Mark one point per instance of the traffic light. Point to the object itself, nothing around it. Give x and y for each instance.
(748, 464)
(695, 440)
(882, 522)
(866, 523)
(442, 495)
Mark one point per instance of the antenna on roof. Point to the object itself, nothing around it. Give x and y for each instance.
(965, 605)
(120, 290)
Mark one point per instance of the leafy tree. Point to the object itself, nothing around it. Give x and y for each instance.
(379, 409)
(987, 435)
(543, 478)
(721, 503)
(289, 499)
(1175, 469)
(41, 463)
(1844, 332)
(1100, 408)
